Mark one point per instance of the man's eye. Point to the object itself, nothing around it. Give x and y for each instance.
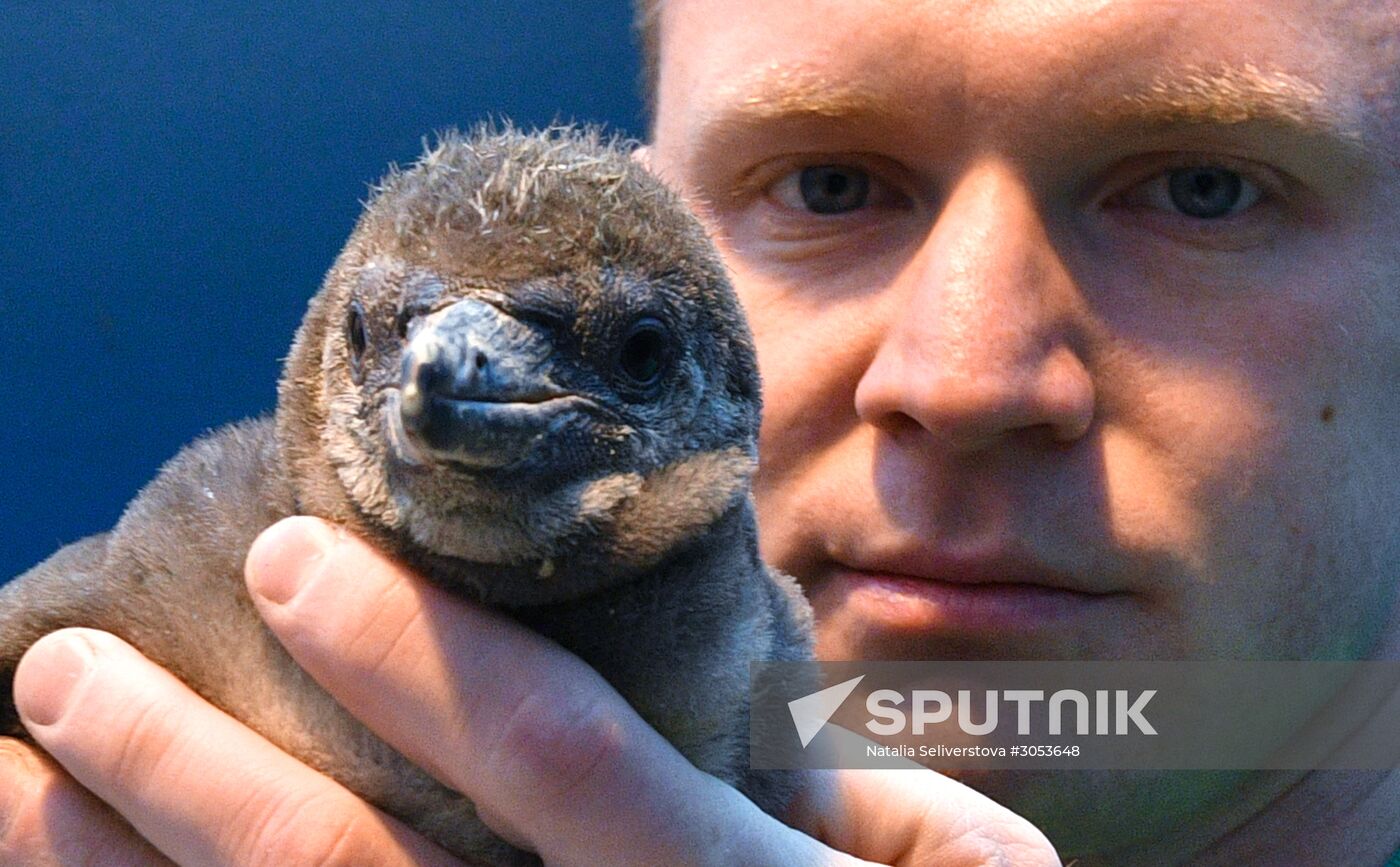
(832, 189)
(1201, 192)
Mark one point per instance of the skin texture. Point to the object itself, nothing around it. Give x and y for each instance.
(1022, 347)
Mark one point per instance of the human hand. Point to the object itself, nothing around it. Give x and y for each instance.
(555, 760)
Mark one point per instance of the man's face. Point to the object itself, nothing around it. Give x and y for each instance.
(1080, 330)
(1079, 321)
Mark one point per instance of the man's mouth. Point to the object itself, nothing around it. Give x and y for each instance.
(941, 592)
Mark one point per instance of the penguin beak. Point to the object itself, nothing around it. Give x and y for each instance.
(475, 388)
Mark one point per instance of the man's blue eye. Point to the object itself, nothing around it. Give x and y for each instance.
(833, 189)
(1205, 192)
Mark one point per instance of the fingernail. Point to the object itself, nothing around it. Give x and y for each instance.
(48, 676)
(285, 555)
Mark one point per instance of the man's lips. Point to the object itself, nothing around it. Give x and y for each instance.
(934, 593)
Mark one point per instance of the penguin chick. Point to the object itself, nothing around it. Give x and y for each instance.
(527, 377)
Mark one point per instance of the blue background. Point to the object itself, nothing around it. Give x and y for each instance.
(175, 179)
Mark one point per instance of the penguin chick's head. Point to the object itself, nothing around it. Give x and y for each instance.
(527, 355)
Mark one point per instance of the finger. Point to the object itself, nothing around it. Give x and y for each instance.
(196, 783)
(917, 816)
(47, 819)
(550, 753)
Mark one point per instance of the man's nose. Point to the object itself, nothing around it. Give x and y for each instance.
(979, 340)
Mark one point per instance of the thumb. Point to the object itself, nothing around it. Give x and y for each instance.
(552, 756)
(917, 816)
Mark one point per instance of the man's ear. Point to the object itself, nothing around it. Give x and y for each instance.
(643, 156)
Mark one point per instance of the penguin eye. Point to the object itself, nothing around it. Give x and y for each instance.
(356, 338)
(645, 352)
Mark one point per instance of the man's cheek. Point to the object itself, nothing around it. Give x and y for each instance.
(1194, 455)
(1251, 515)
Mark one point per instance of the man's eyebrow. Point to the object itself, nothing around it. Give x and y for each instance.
(784, 93)
(1218, 96)
(1228, 95)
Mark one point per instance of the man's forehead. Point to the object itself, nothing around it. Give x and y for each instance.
(1135, 61)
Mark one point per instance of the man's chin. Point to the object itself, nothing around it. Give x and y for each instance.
(1104, 817)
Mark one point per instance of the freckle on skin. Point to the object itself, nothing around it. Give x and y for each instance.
(1327, 413)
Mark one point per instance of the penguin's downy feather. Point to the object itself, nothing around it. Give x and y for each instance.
(620, 525)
